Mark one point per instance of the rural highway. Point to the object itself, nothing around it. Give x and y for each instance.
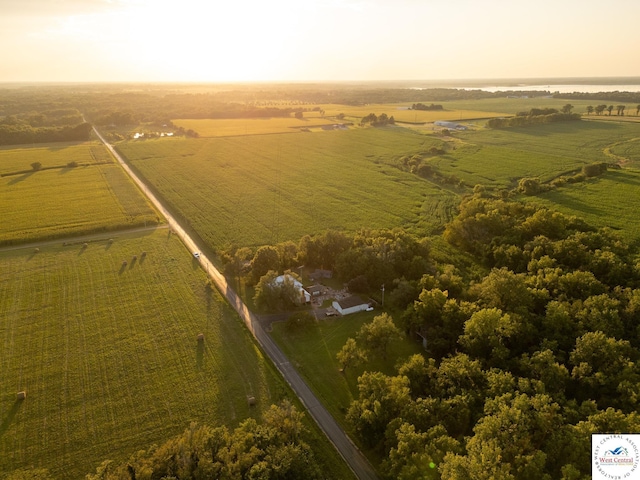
(351, 454)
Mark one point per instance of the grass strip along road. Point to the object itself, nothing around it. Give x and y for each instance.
(351, 454)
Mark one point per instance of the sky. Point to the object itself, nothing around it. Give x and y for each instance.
(315, 40)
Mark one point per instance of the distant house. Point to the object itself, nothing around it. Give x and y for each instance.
(350, 305)
(450, 125)
(305, 297)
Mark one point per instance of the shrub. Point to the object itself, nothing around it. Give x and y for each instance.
(578, 177)
(594, 169)
(36, 166)
(529, 186)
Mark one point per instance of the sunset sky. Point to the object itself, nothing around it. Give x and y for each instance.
(309, 40)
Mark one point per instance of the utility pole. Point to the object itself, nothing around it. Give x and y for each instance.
(383, 295)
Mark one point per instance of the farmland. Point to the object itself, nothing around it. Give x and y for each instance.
(255, 190)
(500, 157)
(110, 373)
(251, 126)
(74, 194)
(611, 201)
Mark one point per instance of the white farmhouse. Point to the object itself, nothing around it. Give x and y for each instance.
(305, 297)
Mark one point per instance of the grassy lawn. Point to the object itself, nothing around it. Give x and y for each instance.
(91, 197)
(108, 354)
(313, 350)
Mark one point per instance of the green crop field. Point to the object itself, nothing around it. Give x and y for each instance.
(251, 126)
(94, 196)
(108, 353)
(256, 190)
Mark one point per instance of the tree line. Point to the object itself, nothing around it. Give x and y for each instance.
(18, 134)
(422, 106)
(600, 109)
(535, 116)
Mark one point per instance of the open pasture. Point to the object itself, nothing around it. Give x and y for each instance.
(252, 126)
(108, 353)
(608, 201)
(511, 106)
(499, 158)
(256, 190)
(67, 201)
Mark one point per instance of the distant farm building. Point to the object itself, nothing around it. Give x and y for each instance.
(305, 297)
(350, 305)
(449, 125)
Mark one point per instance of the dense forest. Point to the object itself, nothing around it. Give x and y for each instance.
(530, 348)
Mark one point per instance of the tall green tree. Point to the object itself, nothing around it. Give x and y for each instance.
(265, 259)
(350, 355)
(376, 335)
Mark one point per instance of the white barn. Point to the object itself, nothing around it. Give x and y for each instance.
(350, 305)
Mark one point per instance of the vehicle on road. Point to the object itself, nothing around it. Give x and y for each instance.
(196, 254)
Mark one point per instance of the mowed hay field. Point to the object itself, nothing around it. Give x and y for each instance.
(94, 196)
(108, 354)
(251, 126)
(256, 190)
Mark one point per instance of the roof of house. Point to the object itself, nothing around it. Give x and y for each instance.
(352, 301)
(280, 280)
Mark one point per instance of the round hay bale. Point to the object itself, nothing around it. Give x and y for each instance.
(36, 250)
(201, 337)
(251, 400)
(143, 254)
(21, 395)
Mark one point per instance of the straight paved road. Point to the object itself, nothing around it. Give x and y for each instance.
(352, 455)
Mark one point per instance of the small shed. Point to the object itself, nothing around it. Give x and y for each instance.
(350, 305)
(316, 290)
